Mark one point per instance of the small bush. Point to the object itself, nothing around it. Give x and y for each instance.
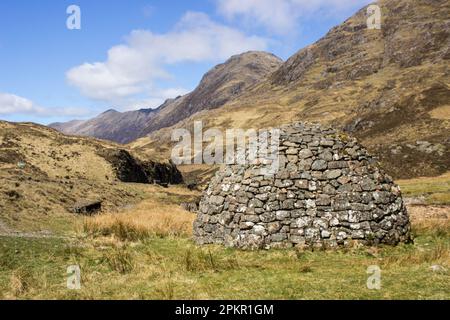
(120, 260)
(166, 291)
(21, 281)
(199, 260)
(306, 269)
(8, 259)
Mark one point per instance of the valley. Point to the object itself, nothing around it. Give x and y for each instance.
(103, 194)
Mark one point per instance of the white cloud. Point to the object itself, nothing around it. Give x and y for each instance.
(133, 67)
(10, 103)
(157, 99)
(173, 92)
(13, 104)
(282, 16)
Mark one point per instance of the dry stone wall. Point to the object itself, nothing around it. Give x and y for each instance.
(328, 192)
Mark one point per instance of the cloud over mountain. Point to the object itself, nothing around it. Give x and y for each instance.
(14, 104)
(282, 16)
(132, 68)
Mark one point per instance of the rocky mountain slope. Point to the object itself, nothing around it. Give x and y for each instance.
(111, 125)
(220, 85)
(388, 87)
(43, 171)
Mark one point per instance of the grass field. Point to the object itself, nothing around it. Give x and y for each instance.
(132, 255)
(433, 190)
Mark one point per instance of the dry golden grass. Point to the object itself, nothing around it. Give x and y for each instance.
(433, 220)
(441, 113)
(121, 259)
(438, 254)
(21, 281)
(174, 268)
(435, 190)
(148, 219)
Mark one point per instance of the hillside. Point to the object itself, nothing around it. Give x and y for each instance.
(387, 87)
(220, 85)
(111, 125)
(44, 174)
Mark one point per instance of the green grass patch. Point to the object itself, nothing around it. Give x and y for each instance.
(174, 268)
(435, 190)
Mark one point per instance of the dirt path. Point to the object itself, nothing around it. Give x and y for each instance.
(6, 231)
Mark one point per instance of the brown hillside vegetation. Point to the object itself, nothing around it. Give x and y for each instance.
(387, 87)
(43, 174)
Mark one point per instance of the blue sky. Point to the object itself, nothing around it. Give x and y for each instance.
(137, 53)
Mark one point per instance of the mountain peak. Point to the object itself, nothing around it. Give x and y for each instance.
(110, 111)
(255, 54)
(221, 84)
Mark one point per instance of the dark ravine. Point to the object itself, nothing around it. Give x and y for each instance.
(130, 169)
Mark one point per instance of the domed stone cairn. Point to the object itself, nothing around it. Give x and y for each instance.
(328, 192)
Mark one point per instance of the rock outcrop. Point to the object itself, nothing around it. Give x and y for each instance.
(131, 169)
(328, 191)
